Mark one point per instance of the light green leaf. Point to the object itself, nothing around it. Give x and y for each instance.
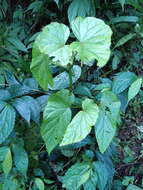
(94, 40)
(40, 68)
(61, 81)
(51, 42)
(39, 183)
(20, 158)
(57, 116)
(78, 8)
(81, 124)
(122, 81)
(105, 129)
(77, 175)
(7, 120)
(7, 163)
(124, 39)
(134, 88)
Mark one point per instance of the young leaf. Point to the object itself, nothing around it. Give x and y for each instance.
(57, 116)
(94, 40)
(134, 88)
(51, 41)
(7, 163)
(81, 124)
(7, 120)
(76, 176)
(105, 130)
(122, 81)
(40, 68)
(20, 159)
(78, 8)
(39, 183)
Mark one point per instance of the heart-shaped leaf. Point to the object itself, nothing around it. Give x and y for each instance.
(94, 40)
(81, 124)
(57, 116)
(51, 42)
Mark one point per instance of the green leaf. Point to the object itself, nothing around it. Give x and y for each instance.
(57, 116)
(76, 176)
(110, 100)
(51, 42)
(122, 81)
(133, 187)
(7, 120)
(105, 129)
(124, 39)
(122, 2)
(20, 158)
(81, 124)
(7, 163)
(3, 152)
(102, 174)
(22, 108)
(134, 88)
(78, 8)
(18, 44)
(61, 81)
(57, 2)
(91, 183)
(94, 40)
(125, 19)
(34, 108)
(39, 183)
(40, 68)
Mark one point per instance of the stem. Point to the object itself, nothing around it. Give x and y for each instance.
(70, 78)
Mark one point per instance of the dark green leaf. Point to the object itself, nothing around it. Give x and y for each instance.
(102, 174)
(78, 8)
(20, 158)
(122, 81)
(7, 120)
(22, 108)
(105, 129)
(125, 19)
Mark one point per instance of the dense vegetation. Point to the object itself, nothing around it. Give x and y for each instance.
(71, 77)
